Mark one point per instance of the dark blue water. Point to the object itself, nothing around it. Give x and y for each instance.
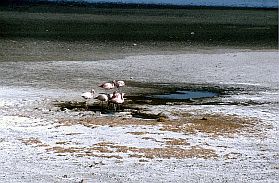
(185, 95)
(228, 3)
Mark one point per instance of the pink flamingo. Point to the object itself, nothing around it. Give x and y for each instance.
(117, 99)
(111, 96)
(108, 86)
(119, 84)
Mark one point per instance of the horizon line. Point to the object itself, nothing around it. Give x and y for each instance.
(129, 4)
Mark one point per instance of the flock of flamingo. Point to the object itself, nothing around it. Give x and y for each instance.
(116, 98)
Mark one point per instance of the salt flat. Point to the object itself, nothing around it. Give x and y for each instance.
(235, 140)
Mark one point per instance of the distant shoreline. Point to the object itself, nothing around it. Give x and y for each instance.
(17, 3)
(249, 28)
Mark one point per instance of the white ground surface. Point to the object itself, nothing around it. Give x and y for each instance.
(26, 112)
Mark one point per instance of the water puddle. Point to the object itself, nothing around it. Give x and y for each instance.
(154, 99)
(184, 95)
(150, 94)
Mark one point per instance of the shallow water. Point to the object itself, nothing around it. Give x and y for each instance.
(184, 95)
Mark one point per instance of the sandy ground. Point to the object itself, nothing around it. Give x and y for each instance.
(233, 140)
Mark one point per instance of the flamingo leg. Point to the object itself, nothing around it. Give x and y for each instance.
(102, 105)
(108, 105)
(86, 106)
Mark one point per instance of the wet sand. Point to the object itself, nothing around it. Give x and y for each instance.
(229, 138)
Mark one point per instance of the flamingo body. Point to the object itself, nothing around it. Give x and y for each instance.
(118, 98)
(119, 84)
(107, 86)
(88, 95)
(102, 97)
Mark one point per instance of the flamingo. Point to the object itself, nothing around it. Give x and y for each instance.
(108, 86)
(117, 98)
(115, 95)
(88, 95)
(103, 98)
(112, 95)
(119, 84)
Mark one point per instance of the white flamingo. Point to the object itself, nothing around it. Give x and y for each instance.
(88, 95)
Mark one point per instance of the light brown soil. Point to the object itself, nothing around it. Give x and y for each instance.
(212, 125)
(217, 124)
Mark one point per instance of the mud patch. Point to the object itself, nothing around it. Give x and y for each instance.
(175, 152)
(112, 150)
(213, 125)
(187, 123)
(175, 142)
(178, 146)
(33, 141)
